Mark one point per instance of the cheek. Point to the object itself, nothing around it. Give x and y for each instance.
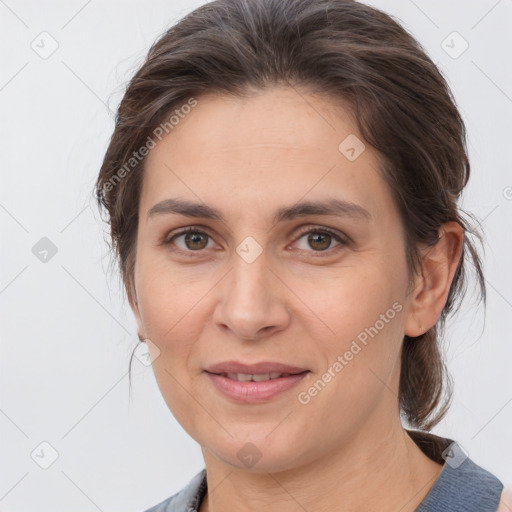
(170, 313)
(173, 315)
(360, 366)
(353, 300)
(363, 309)
(168, 297)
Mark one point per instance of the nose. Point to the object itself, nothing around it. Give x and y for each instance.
(252, 300)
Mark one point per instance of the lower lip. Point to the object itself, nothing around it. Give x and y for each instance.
(252, 391)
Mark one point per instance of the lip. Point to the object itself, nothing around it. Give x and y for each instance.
(261, 367)
(253, 391)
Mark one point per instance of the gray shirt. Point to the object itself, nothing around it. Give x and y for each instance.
(462, 485)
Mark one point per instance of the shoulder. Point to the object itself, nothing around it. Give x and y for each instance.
(463, 485)
(187, 499)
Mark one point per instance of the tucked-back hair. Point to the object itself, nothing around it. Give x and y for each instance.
(340, 49)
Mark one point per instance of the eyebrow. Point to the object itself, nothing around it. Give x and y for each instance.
(200, 210)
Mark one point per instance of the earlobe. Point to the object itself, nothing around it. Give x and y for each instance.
(440, 263)
(134, 305)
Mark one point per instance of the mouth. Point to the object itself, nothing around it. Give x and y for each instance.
(254, 383)
(257, 377)
(261, 368)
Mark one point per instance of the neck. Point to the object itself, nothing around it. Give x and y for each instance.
(376, 470)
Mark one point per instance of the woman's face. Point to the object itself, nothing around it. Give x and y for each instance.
(269, 280)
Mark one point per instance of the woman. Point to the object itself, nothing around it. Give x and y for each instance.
(281, 187)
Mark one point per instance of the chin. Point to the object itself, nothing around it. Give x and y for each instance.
(257, 452)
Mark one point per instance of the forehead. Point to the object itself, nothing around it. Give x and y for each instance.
(279, 117)
(277, 145)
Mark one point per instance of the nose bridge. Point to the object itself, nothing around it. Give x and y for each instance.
(249, 274)
(249, 289)
(251, 302)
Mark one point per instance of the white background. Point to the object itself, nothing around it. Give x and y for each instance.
(67, 331)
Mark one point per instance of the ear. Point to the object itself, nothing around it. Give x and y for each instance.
(431, 288)
(134, 305)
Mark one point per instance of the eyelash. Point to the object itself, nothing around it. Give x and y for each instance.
(316, 229)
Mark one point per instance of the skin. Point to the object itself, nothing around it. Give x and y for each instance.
(505, 504)
(346, 449)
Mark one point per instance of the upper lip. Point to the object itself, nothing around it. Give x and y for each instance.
(255, 368)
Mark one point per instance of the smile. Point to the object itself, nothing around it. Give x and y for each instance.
(254, 388)
(259, 377)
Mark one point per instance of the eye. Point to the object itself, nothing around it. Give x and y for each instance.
(193, 239)
(320, 239)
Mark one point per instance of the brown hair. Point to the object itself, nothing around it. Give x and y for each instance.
(342, 49)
